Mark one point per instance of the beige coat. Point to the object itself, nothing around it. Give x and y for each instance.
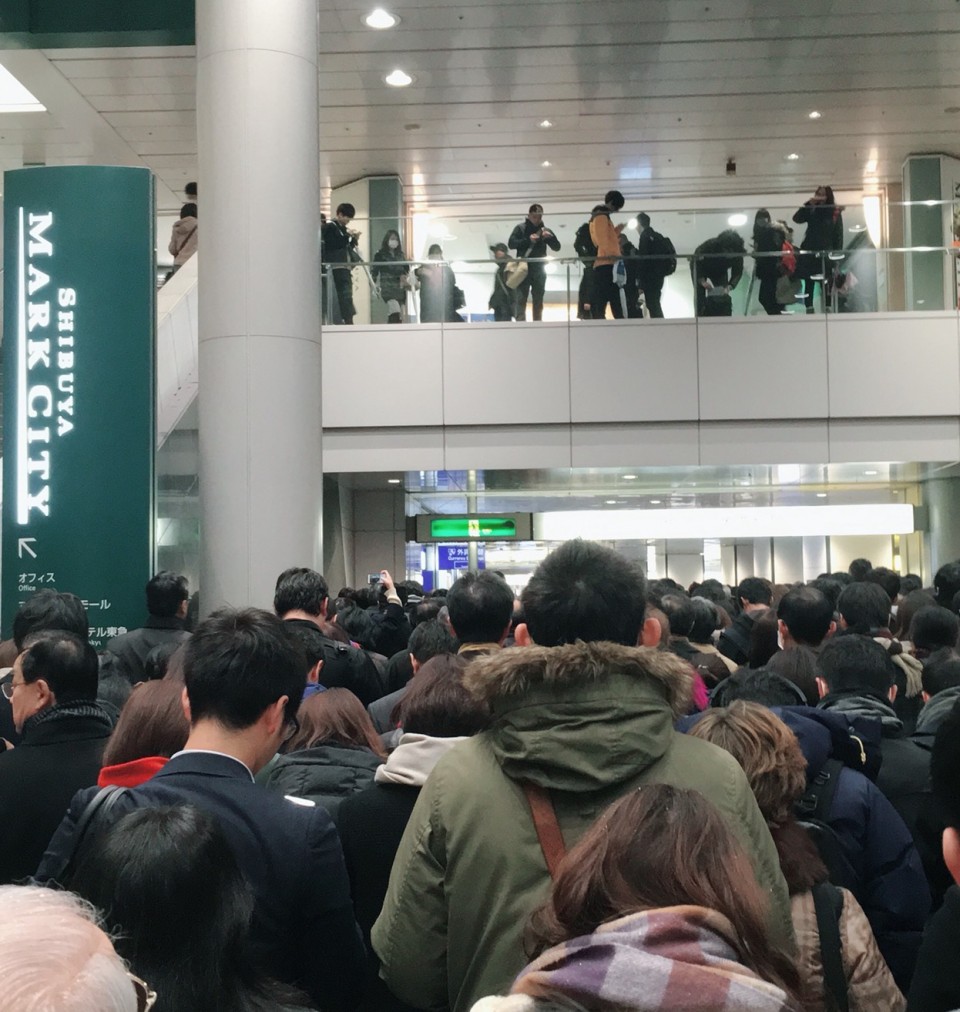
(183, 240)
(870, 985)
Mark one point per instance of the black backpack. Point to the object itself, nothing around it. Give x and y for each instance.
(582, 242)
(661, 246)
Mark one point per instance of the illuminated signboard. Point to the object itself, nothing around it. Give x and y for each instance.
(79, 323)
(474, 527)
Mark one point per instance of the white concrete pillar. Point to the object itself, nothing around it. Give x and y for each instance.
(261, 475)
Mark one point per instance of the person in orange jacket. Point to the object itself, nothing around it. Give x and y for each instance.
(606, 237)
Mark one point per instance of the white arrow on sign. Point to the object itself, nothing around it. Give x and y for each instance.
(23, 545)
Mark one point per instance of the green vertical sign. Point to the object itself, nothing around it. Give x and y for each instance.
(79, 322)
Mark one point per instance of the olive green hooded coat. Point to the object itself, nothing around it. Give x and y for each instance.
(588, 721)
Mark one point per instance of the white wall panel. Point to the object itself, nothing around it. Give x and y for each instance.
(894, 439)
(504, 446)
(757, 368)
(382, 377)
(650, 445)
(633, 372)
(767, 443)
(895, 363)
(407, 449)
(497, 374)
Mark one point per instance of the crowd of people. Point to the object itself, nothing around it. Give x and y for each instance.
(616, 273)
(608, 794)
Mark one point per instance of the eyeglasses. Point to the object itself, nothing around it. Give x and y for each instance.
(290, 731)
(146, 998)
(7, 689)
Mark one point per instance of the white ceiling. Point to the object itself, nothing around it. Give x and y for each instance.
(648, 95)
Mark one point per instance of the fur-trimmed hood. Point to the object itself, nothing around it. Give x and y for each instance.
(580, 717)
(514, 672)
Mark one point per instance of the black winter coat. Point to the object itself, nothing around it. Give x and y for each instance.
(325, 774)
(936, 982)
(734, 641)
(371, 826)
(824, 226)
(131, 648)
(60, 753)
(389, 274)
(344, 666)
(525, 247)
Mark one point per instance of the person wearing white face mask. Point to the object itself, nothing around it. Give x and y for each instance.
(390, 273)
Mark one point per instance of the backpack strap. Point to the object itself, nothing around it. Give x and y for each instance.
(548, 829)
(818, 799)
(96, 809)
(828, 904)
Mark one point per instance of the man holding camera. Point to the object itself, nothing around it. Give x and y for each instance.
(530, 239)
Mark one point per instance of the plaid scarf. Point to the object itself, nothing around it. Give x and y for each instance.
(674, 958)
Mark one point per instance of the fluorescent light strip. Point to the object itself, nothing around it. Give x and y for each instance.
(734, 522)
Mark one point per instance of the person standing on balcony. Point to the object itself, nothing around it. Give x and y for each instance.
(339, 246)
(530, 239)
(390, 272)
(824, 221)
(606, 237)
(183, 238)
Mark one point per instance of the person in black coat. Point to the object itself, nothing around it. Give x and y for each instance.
(530, 239)
(824, 221)
(339, 245)
(52, 694)
(334, 754)
(717, 267)
(437, 284)
(167, 601)
(936, 983)
(390, 273)
(244, 677)
(437, 714)
(503, 300)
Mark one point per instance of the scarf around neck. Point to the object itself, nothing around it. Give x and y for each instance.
(412, 761)
(683, 957)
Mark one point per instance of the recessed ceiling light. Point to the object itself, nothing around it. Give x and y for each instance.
(815, 114)
(398, 79)
(629, 477)
(393, 481)
(380, 18)
(871, 167)
(821, 495)
(655, 502)
(793, 157)
(736, 220)
(546, 165)
(545, 123)
(610, 502)
(871, 472)
(632, 223)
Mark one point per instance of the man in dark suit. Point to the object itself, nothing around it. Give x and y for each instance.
(244, 677)
(52, 693)
(167, 601)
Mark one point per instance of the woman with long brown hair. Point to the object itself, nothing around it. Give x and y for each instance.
(775, 765)
(656, 908)
(334, 753)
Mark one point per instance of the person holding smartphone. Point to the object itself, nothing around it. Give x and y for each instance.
(530, 239)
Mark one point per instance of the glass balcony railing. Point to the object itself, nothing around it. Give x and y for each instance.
(857, 279)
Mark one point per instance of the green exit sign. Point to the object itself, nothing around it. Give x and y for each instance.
(474, 527)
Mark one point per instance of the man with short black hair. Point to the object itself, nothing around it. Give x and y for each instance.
(857, 678)
(581, 717)
(530, 239)
(936, 983)
(301, 598)
(859, 568)
(941, 691)
(753, 595)
(243, 679)
(804, 618)
(864, 608)
(52, 694)
(339, 245)
(481, 610)
(50, 609)
(167, 601)
(428, 640)
(947, 583)
(888, 579)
